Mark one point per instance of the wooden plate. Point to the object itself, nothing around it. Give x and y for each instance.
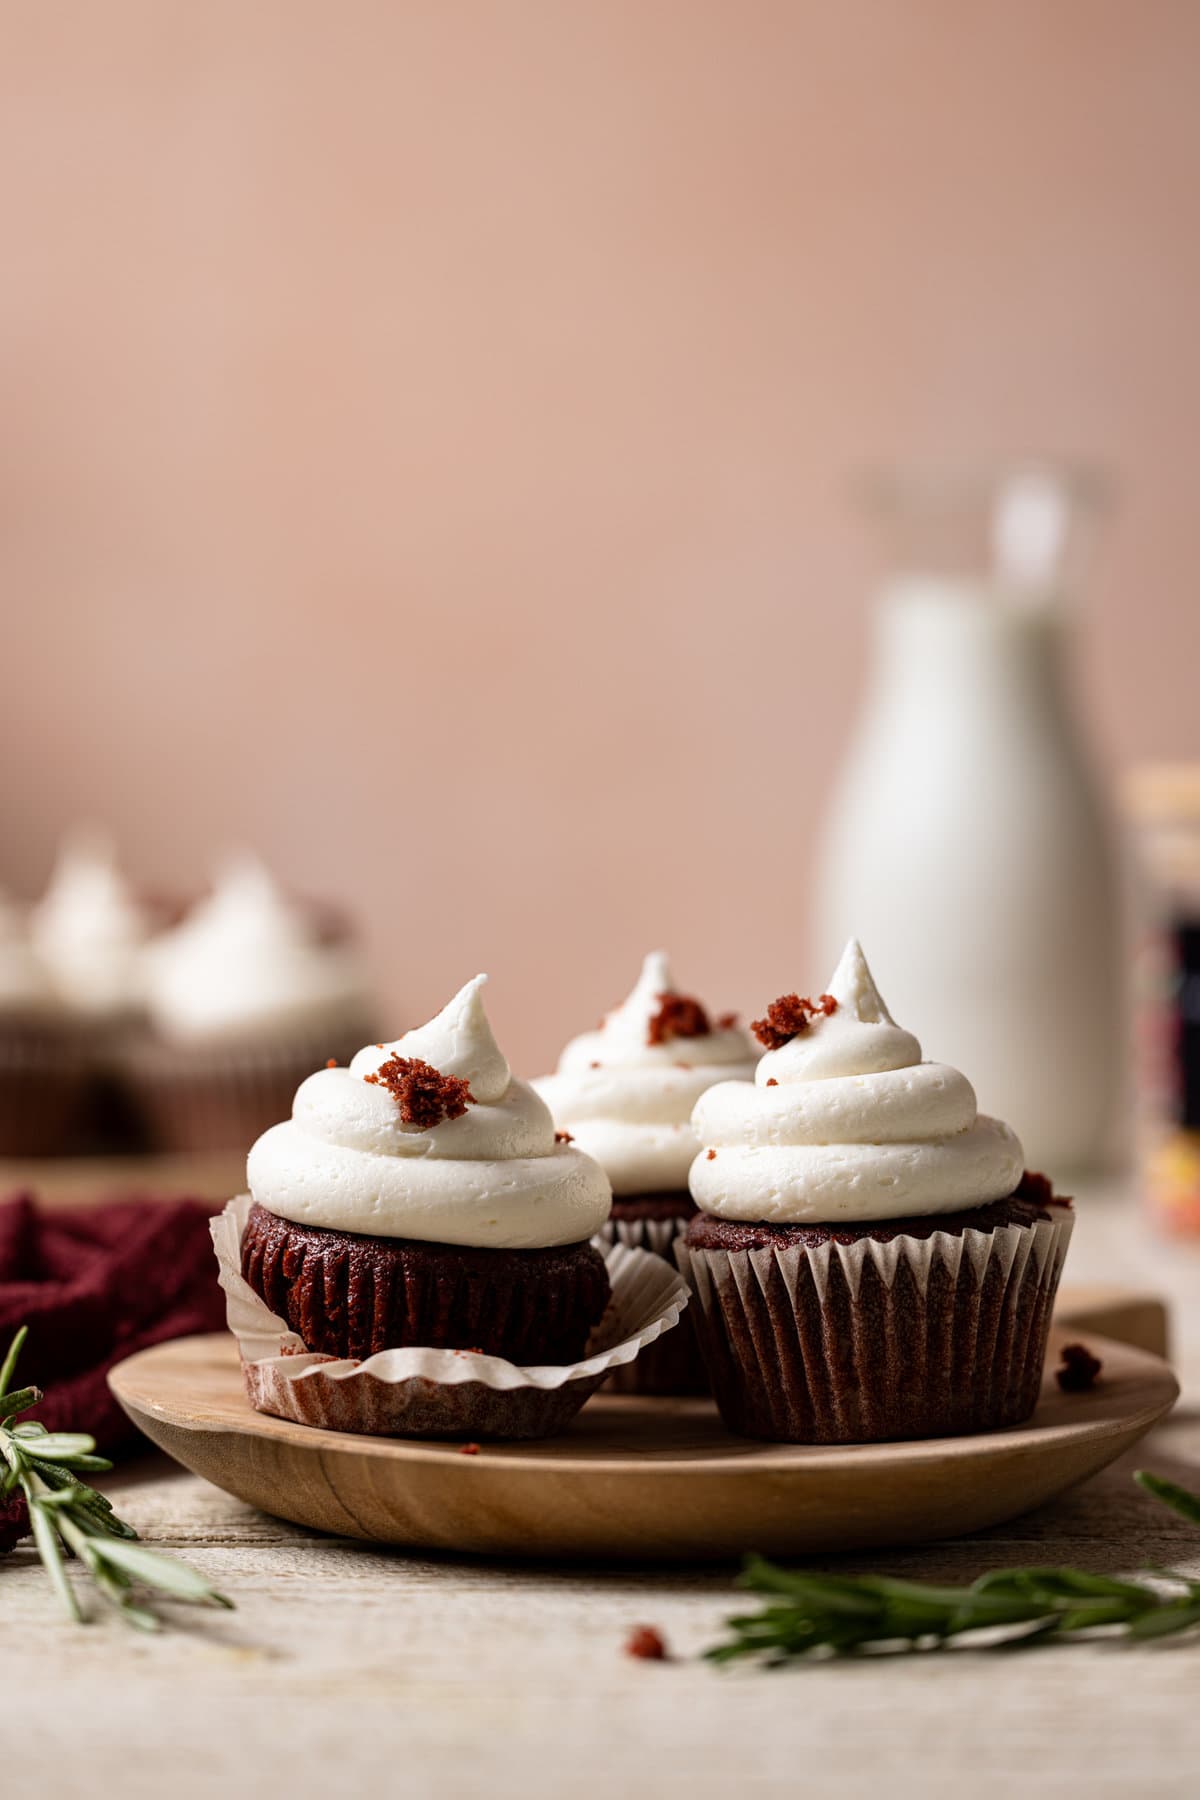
(634, 1478)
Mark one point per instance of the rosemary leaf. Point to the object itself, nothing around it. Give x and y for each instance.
(1172, 1495)
(155, 1570)
(63, 1446)
(44, 1536)
(810, 1615)
(9, 1366)
(68, 1518)
(13, 1404)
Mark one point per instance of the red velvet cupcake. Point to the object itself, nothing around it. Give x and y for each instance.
(625, 1093)
(420, 1197)
(245, 996)
(869, 1260)
(42, 1071)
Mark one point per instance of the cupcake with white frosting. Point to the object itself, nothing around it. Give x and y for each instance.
(870, 1260)
(421, 1196)
(90, 929)
(243, 997)
(625, 1093)
(42, 1073)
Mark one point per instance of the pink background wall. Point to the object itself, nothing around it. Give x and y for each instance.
(424, 432)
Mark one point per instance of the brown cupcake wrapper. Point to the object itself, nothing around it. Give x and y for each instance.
(43, 1091)
(438, 1393)
(870, 1341)
(674, 1364)
(223, 1097)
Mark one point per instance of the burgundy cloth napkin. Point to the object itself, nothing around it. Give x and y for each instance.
(94, 1284)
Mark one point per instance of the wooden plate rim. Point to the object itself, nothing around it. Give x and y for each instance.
(752, 1457)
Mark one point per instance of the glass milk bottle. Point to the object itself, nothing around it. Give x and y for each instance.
(967, 844)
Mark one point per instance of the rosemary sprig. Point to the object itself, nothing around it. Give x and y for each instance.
(70, 1519)
(845, 1615)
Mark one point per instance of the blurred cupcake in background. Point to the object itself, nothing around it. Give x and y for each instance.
(243, 997)
(91, 929)
(625, 1093)
(42, 1071)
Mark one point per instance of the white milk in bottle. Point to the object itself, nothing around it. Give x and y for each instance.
(966, 842)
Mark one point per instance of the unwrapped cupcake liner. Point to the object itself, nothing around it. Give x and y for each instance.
(914, 1337)
(674, 1364)
(224, 1096)
(438, 1393)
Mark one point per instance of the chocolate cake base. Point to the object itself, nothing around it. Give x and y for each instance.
(904, 1328)
(673, 1363)
(709, 1233)
(351, 1296)
(43, 1091)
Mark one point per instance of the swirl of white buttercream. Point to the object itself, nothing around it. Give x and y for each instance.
(844, 1122)
(90, 929)
(494, 1178)
(247, 961)
(628, 1102)
(26, 989)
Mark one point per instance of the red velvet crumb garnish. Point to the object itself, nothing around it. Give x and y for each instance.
(332, 1063)
(563, 1137)
(468, 1450)
(712, 1156)
(1038, 1188)
(645, 1642)
(726, 1021)
(771, 1081)
(1079, 1369)
(424, 1095)
(678, 1016)
(788, 1016)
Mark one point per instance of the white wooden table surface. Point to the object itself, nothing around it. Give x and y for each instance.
(349, 1670)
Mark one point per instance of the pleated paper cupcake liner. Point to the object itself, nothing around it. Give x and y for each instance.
(926, 1337)
(438, 1393)
(674, 1364)
(44, 1083)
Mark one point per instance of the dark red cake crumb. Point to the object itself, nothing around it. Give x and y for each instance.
(424, 1095)
(563, 1137)
(468, 1450)
(331, 1062)
(1079, 1369)
(712, 1156)
(648, 1644)
(678, 1016)
(771, 1081)
(788, 1016)
(726, 1021)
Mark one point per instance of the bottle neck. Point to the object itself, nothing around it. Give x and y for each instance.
(941, 638)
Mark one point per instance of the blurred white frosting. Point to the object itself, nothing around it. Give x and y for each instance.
(628, 1102)
(248, 961)
(25, 985)
(90, 929)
